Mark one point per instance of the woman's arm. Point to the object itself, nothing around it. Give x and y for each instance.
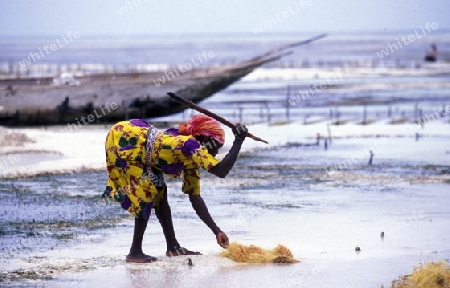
(223, 168)
(202, 211)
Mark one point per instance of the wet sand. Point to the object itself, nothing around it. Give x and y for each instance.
(322, 234)
(283, 193)
(55, 150)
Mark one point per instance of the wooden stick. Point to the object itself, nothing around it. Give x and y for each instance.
(299, 43)
(222, 120)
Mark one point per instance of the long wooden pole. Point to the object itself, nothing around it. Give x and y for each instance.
(222, 120)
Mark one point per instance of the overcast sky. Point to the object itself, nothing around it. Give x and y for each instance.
(127, 17)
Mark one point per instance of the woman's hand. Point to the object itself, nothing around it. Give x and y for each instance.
(240, 131)
(222, 239)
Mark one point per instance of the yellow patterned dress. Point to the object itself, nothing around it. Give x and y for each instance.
(135, 176)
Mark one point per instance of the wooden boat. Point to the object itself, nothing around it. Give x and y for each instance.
(109, 97)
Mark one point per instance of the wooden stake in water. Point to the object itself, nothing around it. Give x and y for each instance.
(288, 97)
(329, 132)
(371, 157)
(365, 115)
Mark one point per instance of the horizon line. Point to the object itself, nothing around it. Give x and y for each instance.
(240, 33)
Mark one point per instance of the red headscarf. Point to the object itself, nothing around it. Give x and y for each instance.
(203, 125)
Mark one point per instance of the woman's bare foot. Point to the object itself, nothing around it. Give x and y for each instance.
(141, 258)
(181, 251)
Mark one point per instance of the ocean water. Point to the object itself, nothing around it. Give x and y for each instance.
(329, 78)
(227, 48)
(320, 203)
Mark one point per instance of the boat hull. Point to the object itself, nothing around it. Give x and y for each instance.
(109, 100)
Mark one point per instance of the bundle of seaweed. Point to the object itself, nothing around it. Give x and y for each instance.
(429, 275)
(253, 254)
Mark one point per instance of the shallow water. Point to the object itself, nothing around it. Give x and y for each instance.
(39, 213)
(321, 226)
(282, 195)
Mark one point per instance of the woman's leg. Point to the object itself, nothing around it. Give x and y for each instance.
(164, 214)
(136, 254)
